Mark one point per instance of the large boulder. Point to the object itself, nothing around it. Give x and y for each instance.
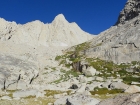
(129, 99)
(80, 99)
(27, 93)
(106, 84)
(99, 79)
(61, 101)
(90, 71)
(82, 88)
(133, 89)
(82, 79)
(118, 85)
(77, 99)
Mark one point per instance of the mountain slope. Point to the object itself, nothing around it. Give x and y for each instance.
(26, 50)
(119, 43)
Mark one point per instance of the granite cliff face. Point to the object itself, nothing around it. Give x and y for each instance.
(120, 43)
(130, 11)
(58, 33)
(27, 49)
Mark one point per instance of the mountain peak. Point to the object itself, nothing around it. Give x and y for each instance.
(60, 18)
(130, 11)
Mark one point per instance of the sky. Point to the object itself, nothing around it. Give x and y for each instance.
(93, 16)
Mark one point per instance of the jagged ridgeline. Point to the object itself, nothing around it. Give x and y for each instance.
(36, 33)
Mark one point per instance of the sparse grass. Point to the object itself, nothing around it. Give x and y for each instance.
(62, 62)
(57, 58)
(32, 100)
(46, 68)
(29, 101)
(135, 62)
(66, 75)
(102, 91)
(10, 93)
(106, 68)
(67, 65)
(71, 72)
(58, 81)
(129, 79)
(30, 97)
(53, 68)
(52, 92)
(82, 47)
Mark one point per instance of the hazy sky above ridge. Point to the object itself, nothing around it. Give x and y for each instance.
(93, 16)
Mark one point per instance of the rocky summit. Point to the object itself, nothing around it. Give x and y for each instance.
(131, 10)
(58, 33)
(59, 64)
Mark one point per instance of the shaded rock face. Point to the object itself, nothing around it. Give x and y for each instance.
(131, 10)
(14, 70)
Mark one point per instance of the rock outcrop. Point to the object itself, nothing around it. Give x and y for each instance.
(131, 10)
(131, 99)
(118, 43)
(76, 99)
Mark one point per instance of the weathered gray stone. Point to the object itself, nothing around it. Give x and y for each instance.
(82, 88)
(22, 85)
(82, 100)
(129, 99)
(99, 79)
(77, 99)
(132, 89)
(26, 93)
(6, 98)
(90, 71)
(135, 83)
(61, 101)
(106, 84)
(118, 85)
(130, 11)
(82, 79)
(12, 86)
